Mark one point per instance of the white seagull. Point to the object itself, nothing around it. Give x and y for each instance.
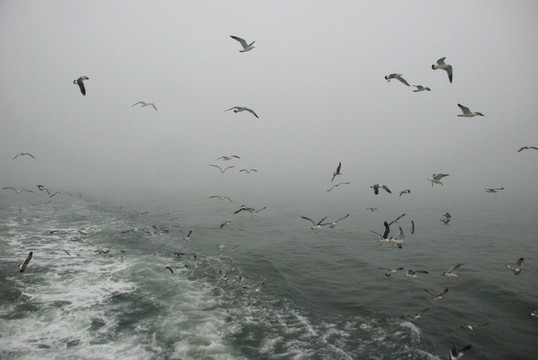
(415, 317)
(244, 208)
(237, 109)
(220, 197)
(436, 178)
(397, 77)
(452, 272)
(385, 236)
(516, 267)
(467, 112)
(412, 273)
(458, 354)
(22, 154)
(316, 226)
(341, 183)
(377, 186)
(221, 169)
(246, 47)
(407, 191)
(437, 297)
(421, 88)
(80, 83)
(472, 327)
(144, 104)
(389, 272)
(527, 148)
(16, 190)
(188, 236)
(441, 65)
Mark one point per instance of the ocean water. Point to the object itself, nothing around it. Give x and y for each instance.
(264, 286)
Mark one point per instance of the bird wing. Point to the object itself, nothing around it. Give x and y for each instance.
(235, 107)
(441, 61)
(465, 109)
(449, 72)
(252, 112)
(519, 261)
(152, 104)
(429, 293)
(216, 166)
(81, 86)
(312, 221)
(342, 218)
(242, 41)
(454, 268)
(387, 230)
(443, 292)
(386, 189)
(403, 80)
(140, 102)
(332, 187)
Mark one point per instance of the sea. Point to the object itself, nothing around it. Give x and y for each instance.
(113, 279)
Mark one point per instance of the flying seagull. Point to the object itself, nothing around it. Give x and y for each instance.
(389, 272)
(16, 190)
(188, 236)
(397, 77)
(377, 186)
(385, 236)
(438, 297)
(220, 197)
(372, 209)
(441, 65)
(23, 266)
(341, 183)
(316, 226)
(412, 273)
(221, 169)
(237, 109)
(421, 88)
(80, 82)
(467, 112)
(43, 188)
(333, 224)
(527, 148)
(248, 171)
(227, 158)
(516, 267)
(407, 191)
(436, 178)
(416, 316)
(471, 327)
(224, 224)
(22, 154)
(395, 240)
(246, 47)
(144, 104)
(493, 190)
(244, 208)
(337, 172)
(452, 272)
(458, 354)
(60, 192)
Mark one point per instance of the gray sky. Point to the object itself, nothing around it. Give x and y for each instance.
(315, 78)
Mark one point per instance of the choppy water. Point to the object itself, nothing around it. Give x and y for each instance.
(322, 296)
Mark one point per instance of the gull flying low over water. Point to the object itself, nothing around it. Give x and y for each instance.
(377, 186)
(23, 154)
(237, 109)
(23, 266)
(452, 271)
(220, 197)
(60, 192)
(493, 190)
(443, 66)
(144, 104)
(516, 267)
(316, 226)
(385, 236)
(397, 77)
(390, 272)
(221, 169)
(415, 317)
(337, 172)
(407, 191)
(412, 273)
(16, 190)
(243, 208)
(438, 297)
(248, 171)
(188, 236)
(341, 183)
(527, 148)
(436, 178)
(80, 83)
(472, 327)
(333, 224)
(246, 47)
(228, 158)
(458, 354)
(467, 112)
(421, 88)
(224, 224)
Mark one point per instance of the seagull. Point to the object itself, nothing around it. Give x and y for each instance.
(23, 266)
(389, 272)
(421, 88)
(248, 171)
(80, 82)
(372, 209)
(144, 104)
(494, 190)
(222, 170)
(437, 297)
(527, 148)
(224, 224)
(316, 226)
(244, 208)
(16, 190)
(383, 237)
(436, 178)
(341, 183)
(255, 212)
(22, 154)
(397, 77)
(337, 172)
(412, 229)
(377, 186)
(220, 197)
(534, 314)
(237, 109)
(441, 65)
(188, 237)
(412, 273)
(516, 267)
(333, 224)
(246, 47)
(467, 112)
(452, 272)
(227, 158)
(458, 354)
(60, 192)
(43, 188)
(471, 327)
(396, 220)
(407, 191)
(416, 316)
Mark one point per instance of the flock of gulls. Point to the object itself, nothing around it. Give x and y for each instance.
(395, 240)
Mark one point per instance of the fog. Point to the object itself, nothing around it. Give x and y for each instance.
(315, 78)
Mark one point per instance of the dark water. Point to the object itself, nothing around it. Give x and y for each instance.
(321, 295)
